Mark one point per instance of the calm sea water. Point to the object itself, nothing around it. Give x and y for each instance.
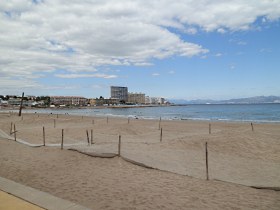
(252, 112)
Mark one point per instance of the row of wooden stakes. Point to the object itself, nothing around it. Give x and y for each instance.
(14, 131)
(90, 142)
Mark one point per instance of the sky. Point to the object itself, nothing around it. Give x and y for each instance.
(183, 49)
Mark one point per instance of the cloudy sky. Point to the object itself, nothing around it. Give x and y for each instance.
(185, 49)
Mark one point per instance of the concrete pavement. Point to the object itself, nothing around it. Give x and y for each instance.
(30, 198)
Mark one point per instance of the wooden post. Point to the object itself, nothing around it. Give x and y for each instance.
(119, 148)
(209, 128)
(87, 137)
(15, 133)
(11, 128)
(206, 155)
(44, 137)
(62, 138)
(161, 135)
(91, 136)
(159, 123)
(54, 124)
(20, 108)
(252, 126)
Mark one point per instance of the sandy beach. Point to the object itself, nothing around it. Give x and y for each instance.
(241, 158)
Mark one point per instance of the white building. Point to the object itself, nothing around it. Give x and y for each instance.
(3, 103)
(154, 100)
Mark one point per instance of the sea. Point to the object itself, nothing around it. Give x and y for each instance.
(262, 113)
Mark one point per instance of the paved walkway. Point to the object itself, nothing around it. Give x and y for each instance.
(17, 196)
(10, 202)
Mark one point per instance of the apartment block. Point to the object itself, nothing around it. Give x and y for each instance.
(102, 101)
(136, 98)
(68, 100)
(120, 93)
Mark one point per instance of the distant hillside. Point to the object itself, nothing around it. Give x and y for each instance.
(250, 100)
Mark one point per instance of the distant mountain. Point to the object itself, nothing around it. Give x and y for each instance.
(250, 100)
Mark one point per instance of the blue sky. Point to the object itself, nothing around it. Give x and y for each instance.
(184, 50)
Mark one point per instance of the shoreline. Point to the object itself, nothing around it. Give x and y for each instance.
(104, 115)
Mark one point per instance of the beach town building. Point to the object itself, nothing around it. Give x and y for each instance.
(3, 102)
(154, 100)
(148, 100)
(157, 100)
(119, 93)
(136, 98)
(102, 101)
(68, 100)
(25, 102)
(14, 101)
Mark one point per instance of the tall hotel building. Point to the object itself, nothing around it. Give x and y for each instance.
(120, 93)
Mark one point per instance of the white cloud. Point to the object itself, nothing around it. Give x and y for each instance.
(190, 30)
(238, 42)
(9, 83)
(143, 64)
(221, 30)
(74, 76)
(265, 50)
(155, 74)
(81, 36)
(218, 54)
